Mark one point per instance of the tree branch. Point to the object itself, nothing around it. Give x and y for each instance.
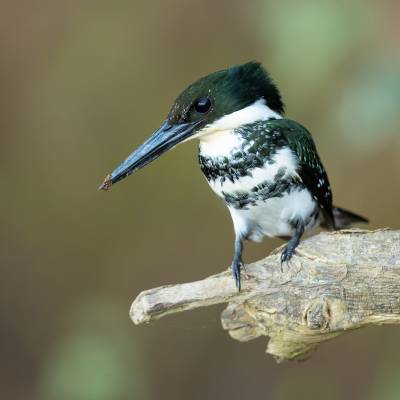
(335, 282)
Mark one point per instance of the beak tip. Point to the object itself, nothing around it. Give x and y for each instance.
(106, 183)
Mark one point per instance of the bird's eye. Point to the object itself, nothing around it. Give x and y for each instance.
(202, 105)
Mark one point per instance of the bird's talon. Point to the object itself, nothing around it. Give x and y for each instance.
(286, 256)
(237, 265)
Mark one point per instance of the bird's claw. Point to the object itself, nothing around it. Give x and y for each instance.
(286, 256)
(237, 265)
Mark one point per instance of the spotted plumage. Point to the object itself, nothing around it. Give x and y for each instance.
(264, 166)
(262, 173)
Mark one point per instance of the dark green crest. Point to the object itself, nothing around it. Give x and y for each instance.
(225, 92)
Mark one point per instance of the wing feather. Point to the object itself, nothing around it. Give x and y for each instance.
(311, 170)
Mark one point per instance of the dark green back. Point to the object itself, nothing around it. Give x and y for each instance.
(311, 170)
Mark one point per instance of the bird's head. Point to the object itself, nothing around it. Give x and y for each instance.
(219, 101)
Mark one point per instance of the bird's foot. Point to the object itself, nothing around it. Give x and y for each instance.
(237, 265)
(286, 255)
(291, 245)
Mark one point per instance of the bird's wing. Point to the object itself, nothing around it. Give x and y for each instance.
(311, 170)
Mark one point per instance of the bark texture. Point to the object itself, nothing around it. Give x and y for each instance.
(335, 282)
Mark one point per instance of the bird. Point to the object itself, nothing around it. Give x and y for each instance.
(264, 166)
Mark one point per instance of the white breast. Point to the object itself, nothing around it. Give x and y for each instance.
(271, 217)
(221, 144)
(283, 158)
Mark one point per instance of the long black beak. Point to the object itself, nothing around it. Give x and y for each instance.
(165, 138)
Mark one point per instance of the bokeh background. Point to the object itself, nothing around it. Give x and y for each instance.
(82, 84)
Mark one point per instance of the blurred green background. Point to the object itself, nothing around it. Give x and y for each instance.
(82, 84)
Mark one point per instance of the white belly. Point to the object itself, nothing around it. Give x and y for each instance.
(273, 216)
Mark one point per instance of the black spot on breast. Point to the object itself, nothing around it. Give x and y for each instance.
(258, 147)
(262, 192)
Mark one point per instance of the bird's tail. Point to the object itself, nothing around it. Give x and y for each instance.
(344, 218)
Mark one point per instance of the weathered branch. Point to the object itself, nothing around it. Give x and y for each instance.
(335, 282)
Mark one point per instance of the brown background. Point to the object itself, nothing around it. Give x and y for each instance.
(83, 83)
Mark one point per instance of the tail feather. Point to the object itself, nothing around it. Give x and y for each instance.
(344, 218)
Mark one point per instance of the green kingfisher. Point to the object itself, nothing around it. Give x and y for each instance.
(264, 166)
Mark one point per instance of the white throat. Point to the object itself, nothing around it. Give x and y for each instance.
(218, 138)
